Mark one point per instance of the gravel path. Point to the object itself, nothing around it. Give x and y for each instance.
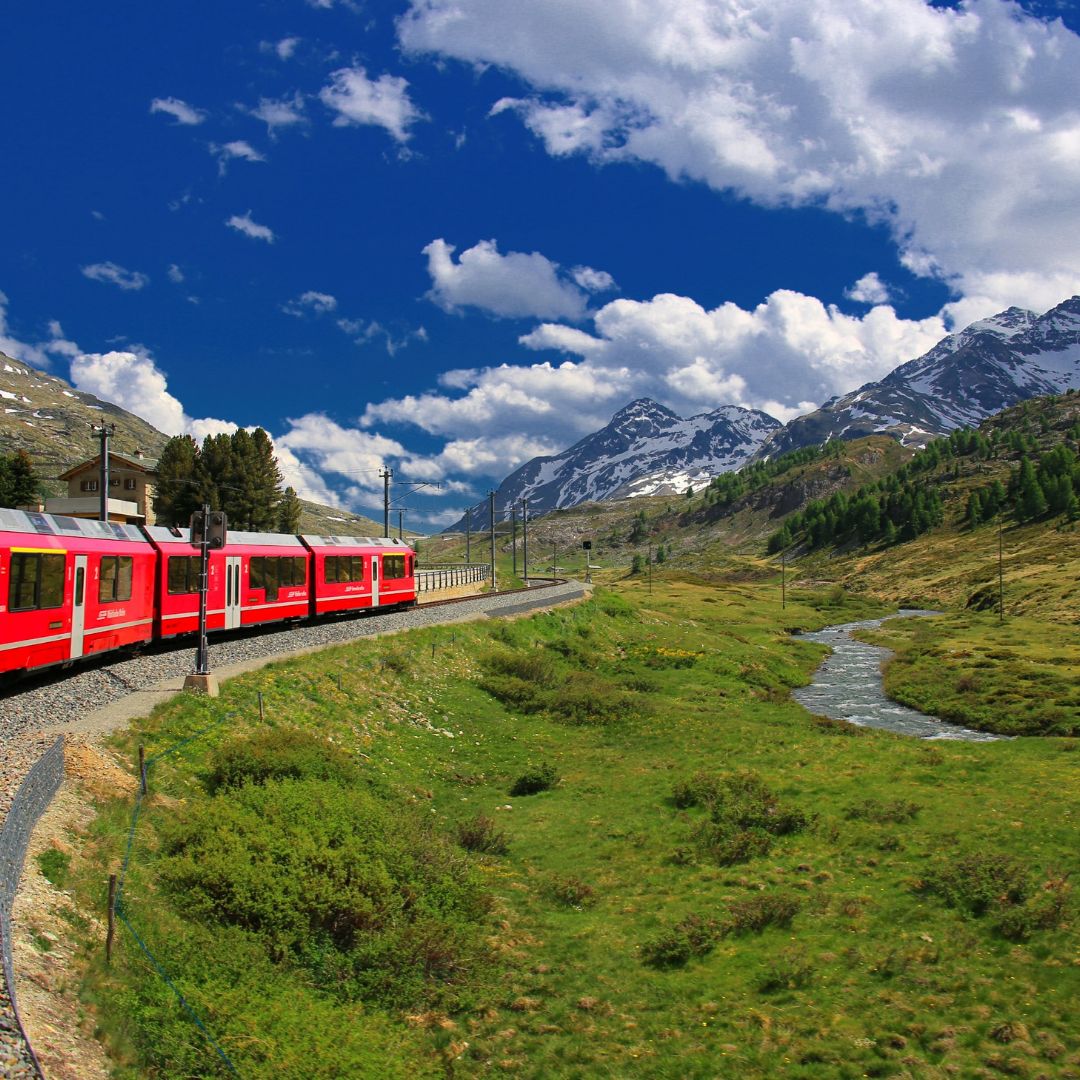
(32, 715)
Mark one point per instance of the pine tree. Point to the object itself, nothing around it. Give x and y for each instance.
(176, 496)
(1031, 498)
(289, 512)
(19, 484)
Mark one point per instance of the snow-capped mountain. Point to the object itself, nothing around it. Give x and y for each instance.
(644, 442)
(966, 377)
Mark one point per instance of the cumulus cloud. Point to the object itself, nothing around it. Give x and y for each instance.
(175, 274)
(283, 49)
(869, 289)
(784, 357)
(956, 127)
(280, 112)
(243, 223)
(180, 111)
(514, 285)
(310, 303)
(237, 150)
(113, 274)
(359, 100)
(37, 354)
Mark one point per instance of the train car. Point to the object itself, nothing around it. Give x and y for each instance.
(256, 578)
(351, 573)
(71, 587)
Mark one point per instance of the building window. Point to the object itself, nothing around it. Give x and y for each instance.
(183, 574)
(129, 483)
(37, 581)
(114, 582)
(88, 485)
(113, 481)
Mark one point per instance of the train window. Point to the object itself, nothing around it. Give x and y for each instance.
(338, 569)
(115, 580)
(183, 574)
(274, 572)
(37, 581)
(393, 566)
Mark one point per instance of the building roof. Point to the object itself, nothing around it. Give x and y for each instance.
(146, 465)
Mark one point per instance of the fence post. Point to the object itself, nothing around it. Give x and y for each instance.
(112, 919)
(142, 770)
(260, 707)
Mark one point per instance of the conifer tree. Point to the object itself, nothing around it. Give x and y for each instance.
(289, 512)
(176, 496)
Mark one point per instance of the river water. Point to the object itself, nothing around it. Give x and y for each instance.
(848, 686)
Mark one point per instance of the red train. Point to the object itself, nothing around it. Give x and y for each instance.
(70, 587)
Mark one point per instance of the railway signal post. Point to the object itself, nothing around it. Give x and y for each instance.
(209, 531)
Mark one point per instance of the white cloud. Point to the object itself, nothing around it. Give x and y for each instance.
(244, 224)
(175, 274)
(364, 333)
(788, 353)
(180, 111)
(280, 112)
(284, 48)
(359, 100)
(593, 280)
(36, 354)
(310, 303)
(869, 289)
(514, 285)
(237, 150)
(132, 381)
(113, 274)
(957, 127)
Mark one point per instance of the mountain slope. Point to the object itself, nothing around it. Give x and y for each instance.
(642, 439)
(966, 377)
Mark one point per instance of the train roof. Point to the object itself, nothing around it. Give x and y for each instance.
(354, 541)
(22, 521)
(161, 534)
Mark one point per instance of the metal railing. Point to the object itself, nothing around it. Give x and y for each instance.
(432, 578)
(32, 798)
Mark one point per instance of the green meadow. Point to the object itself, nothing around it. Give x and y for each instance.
(600, 841)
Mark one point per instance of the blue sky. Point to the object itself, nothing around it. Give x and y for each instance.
(449, 235)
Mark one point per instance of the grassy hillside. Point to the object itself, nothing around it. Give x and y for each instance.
(664, 867)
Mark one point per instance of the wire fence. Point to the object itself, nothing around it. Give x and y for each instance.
(123, 913)
(34, 795)
(433, 578)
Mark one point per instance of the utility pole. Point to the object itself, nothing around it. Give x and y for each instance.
(525, 540)
(104, 431)
(491, 512)
(387, 475)
(783, 580)
(513, 535)
(400, 528)
(650, 569)
(468, 534)
(554, 557)
(1001, 577)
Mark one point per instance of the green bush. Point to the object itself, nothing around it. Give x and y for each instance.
(977, 881)
(883, 813)
(367, 897)
(571, 891)
(279, 754)
(537, 779)
(675, 947)
(481, 835)
(755, 913)
(54, 865)
(743, 815)
(790, 969)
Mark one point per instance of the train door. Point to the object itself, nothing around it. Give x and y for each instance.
(78, 607)
(375, 580)
(232, 591)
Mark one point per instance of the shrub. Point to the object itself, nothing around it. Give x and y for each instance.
(755, 913)
(54, 865)
(588, 700)
(790, 969)
(694, 936)
(977, 881)
(571, 891)
(744, 815)
(481, 835)
(540, 778)
(278, 754)
(362, 894)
